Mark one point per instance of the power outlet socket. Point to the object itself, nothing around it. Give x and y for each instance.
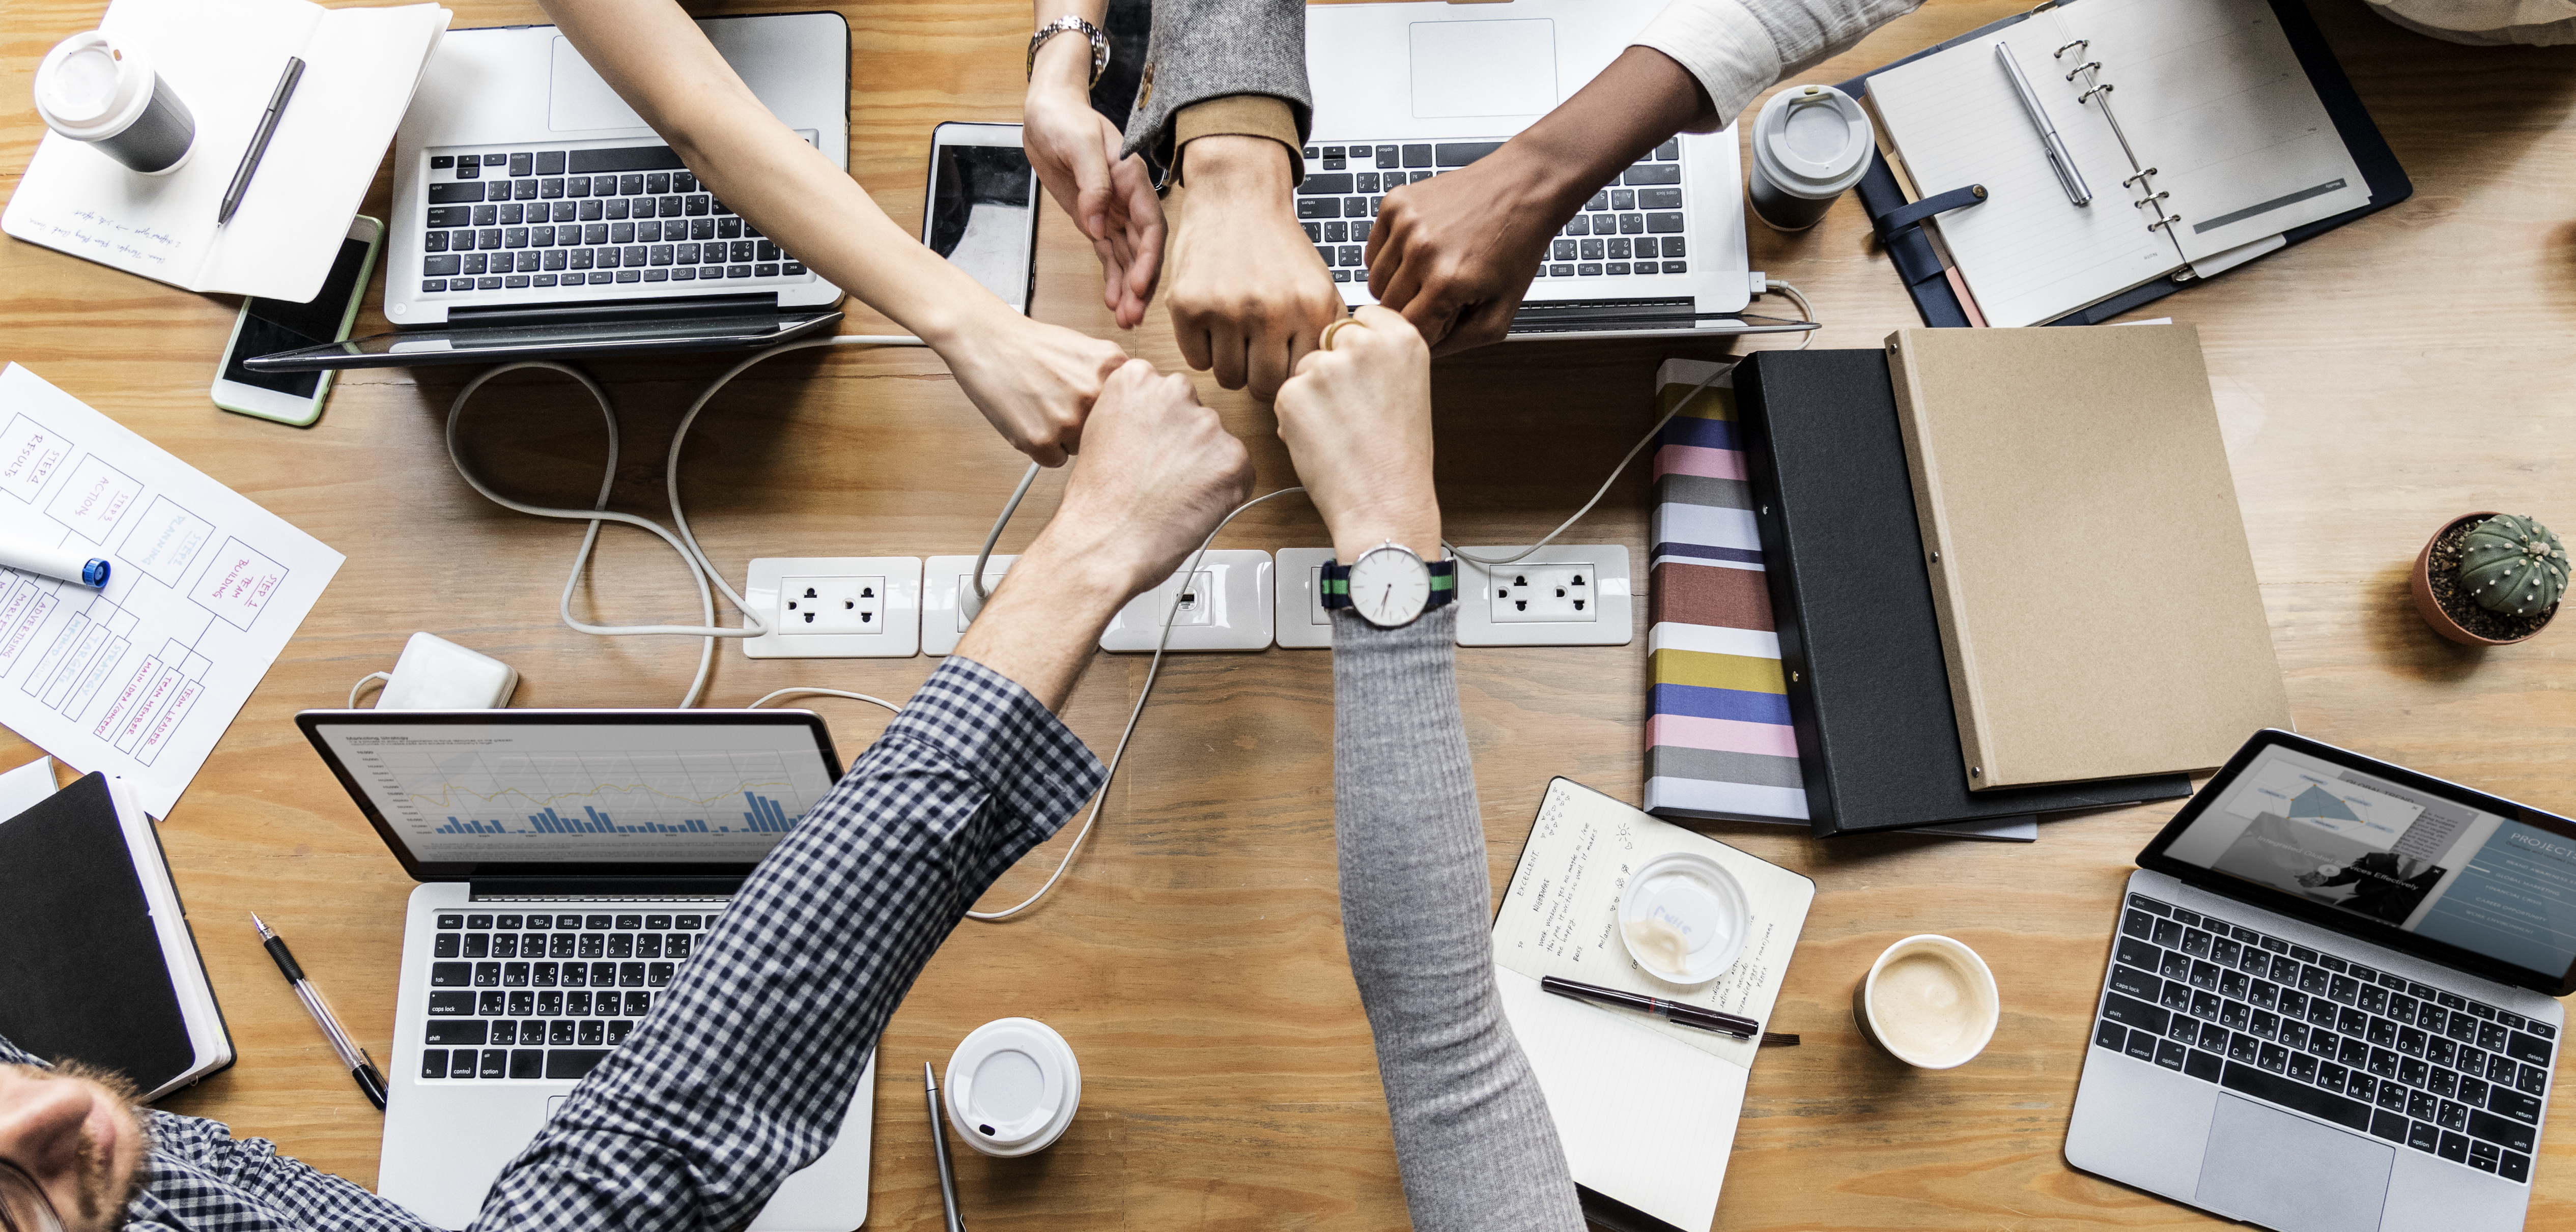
(835, 607)
(1223, 604)
(1299, 620)
(948, 602)
(1574, 594)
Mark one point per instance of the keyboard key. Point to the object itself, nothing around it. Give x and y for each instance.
(1657, 223)
(2236, 1016)
(434, 284)
(622, 945)
(1387, 156)
(491, 1004)
(1588, 270)
(1623, 198)
(470, 171)
(528, 1063)
(505, 1032)
(1669, 151)
(451, 1004)
(1461, 153)
(1326, 184)
(2413, 1073)
(603, 974)
(458, 1031)
(592, 1033)
(637, 1004)
(487, 975)
(618, 1031)
(450, 974)
(2522, 1105)
(2111, 1035)
(433, 1064)
(2474, 1091)
(2391, 1096)
(2127, 1011)
(2510, 1134)
(1560, 271)
(2142, 1046)
(1592, 250)
(2361, 1086)
(2514, 1166)
(2526, 1048)
(2325, 1105)
(690, 923)
(1653, 173)
(2303, 1067)
(630, 975)
(564, 1064)
(2389, 1125)
(520, 190)
(1417, 156)
(1659, 198)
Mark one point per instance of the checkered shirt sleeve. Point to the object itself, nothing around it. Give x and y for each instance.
(744, 1070)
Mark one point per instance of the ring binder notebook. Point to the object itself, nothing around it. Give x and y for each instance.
(2285, 165)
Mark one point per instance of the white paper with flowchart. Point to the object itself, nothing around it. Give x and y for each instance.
(137, 679)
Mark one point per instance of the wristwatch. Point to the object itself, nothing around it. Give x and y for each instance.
(1067, 23)
(1389, 586)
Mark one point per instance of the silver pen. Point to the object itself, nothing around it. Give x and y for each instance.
(939, 1147)
(2061, 159)
(353, 1058)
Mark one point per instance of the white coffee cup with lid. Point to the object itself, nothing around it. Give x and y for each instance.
(1684, 918)
(1012, 1087)
(1809, 144)
(1929, 1001)
(101, 90)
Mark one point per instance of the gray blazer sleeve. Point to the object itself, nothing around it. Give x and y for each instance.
(1204, 49)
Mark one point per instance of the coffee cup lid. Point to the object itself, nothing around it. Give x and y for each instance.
(1813, 140)
(1013, 1087)
(93, 85)
(1683, 918)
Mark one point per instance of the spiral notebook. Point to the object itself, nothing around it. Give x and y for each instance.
(2197, 126)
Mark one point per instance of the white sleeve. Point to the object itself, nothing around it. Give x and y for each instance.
(1739, 48)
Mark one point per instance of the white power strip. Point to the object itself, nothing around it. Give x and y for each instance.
(1564, 594)
(835, 607)
(1224, 604)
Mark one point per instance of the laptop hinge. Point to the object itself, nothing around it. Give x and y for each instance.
(1575, 311)
(604, 887)
(595, 312)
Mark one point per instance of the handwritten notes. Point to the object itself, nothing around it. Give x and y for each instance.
(140, 678)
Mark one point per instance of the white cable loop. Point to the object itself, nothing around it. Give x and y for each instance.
(1615, 472)
(993, 536)
(1101, 799)
(361, 686)
(812, 692)
(701, 570)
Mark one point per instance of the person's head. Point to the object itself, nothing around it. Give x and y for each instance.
(74, 1134)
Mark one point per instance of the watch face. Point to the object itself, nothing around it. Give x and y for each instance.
(1390, 586)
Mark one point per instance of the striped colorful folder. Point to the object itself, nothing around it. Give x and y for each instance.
(1718, 743)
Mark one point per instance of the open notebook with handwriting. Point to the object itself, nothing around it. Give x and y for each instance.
(2196, 125)
(1645, 1109)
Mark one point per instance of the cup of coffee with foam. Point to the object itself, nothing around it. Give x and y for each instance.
(1928, 1001)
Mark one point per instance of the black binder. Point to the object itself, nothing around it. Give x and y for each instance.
(84, 974)
(1869, 688)
(1916, 262)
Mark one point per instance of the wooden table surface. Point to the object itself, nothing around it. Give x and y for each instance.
(2373, 383)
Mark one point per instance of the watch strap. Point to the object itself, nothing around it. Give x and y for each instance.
(1069, 23)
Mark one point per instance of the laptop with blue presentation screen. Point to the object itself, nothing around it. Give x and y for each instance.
(570, 863)
(2330, 1002)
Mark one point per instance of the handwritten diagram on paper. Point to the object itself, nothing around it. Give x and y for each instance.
(140, 678)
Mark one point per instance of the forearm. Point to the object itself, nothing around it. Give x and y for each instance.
(1636, 104)
(745, 1069)
(1736, 49)
(1473, 1138)
(656, 59)
(1041, 629)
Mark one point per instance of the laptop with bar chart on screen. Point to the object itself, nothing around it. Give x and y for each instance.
(570, 862)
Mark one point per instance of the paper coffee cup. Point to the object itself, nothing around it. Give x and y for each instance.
(1683, 918)
(1928, 1001)
(101, 90)
(1809, 144)
(1012, 1087)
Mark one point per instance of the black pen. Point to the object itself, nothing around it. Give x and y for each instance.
(361, 1066)
(1670, 1011)
(939, 1147)
(259, 143)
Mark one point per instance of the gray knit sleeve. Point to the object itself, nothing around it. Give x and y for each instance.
(1472, 1134)
(1204, 49)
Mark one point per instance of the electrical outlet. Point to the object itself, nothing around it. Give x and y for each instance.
(1572, 594)
(835, 607)
(948, 602)
(1302, 623)
(1224, 604)
(1556, 593)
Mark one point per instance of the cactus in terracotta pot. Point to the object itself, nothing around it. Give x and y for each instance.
(2512, 564)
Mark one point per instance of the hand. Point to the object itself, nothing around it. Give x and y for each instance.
(1034, 381)
(1157, 472)
(1455, 253)
(1249, 295)
(1110, 199)
(1357, 420)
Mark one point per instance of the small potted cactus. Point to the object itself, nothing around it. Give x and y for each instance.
(2490, 579)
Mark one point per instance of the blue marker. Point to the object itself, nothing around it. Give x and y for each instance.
(69, 564)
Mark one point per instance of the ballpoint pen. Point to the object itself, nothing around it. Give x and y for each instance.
(1670, 1011)
(361, 1066)
(259, 140)
(939, 1147)
(2061, 159)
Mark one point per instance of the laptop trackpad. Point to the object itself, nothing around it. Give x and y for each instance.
(1484, 68)
(2290, 1173)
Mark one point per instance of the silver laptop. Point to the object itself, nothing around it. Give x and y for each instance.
(1404, 92)
(536, 215)
(571, 861)
(2331, 999)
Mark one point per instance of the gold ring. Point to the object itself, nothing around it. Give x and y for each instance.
(1326, 342)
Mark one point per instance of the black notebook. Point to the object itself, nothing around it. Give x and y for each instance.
(1868, 685)
(100, 965)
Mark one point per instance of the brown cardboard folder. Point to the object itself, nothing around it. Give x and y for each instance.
(2097, 601)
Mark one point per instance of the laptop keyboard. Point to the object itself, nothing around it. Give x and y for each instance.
(2342, 1042)
(522, 219)
(546, 996)
(1633, 226)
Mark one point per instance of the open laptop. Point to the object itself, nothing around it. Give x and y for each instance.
(2330, 1002)
(570, 861)
(535, 215)
(1404, 92)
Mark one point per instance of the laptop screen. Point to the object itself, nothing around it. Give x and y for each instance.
(2376, 845)
(574, 793)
